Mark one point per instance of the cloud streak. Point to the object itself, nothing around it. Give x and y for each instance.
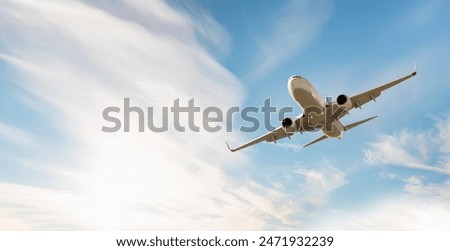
(293, 27)
(77, 59)
(414, 149)
(15, 135)
(392, 214)
(423, 205)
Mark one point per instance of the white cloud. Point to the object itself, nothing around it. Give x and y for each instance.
(392, 213)
(289, 146)
(424, 205)
(207, 28)
(15, 135)
(319, 183)
(427, 150)
(293, 27)
(415, 185)
(306, 192)
(79, 58)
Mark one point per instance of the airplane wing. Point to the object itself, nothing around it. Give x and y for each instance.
(272, 136)
(362, 98)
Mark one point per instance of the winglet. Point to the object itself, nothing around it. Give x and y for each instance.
(415, 69)
(229, 148)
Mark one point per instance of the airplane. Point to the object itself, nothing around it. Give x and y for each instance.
(320, 114)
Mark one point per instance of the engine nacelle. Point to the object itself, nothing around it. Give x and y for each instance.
(344, 102)
(288, 125)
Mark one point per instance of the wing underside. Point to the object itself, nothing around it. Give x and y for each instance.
(364, 97)
(272, 136)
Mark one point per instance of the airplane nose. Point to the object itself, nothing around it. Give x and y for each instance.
(294, 77)
(294, 82)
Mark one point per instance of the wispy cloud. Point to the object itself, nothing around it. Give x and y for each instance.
(424, 206)
(319, 183)
(15, 135)
(424, 203)
(420, 149)
(79, 58)
(393, 213)
(208, 31)
(415, 185)
(290, 146)
(306, 191)
(293, 27)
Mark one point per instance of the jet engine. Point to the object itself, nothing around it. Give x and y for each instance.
(288, 125)
(344, 102)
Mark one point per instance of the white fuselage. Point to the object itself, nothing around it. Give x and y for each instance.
(314, 106)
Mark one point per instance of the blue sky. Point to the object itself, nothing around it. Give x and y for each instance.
(63, 62)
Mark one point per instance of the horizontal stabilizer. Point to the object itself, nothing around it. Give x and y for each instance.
(348, 127)
(316, 140)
